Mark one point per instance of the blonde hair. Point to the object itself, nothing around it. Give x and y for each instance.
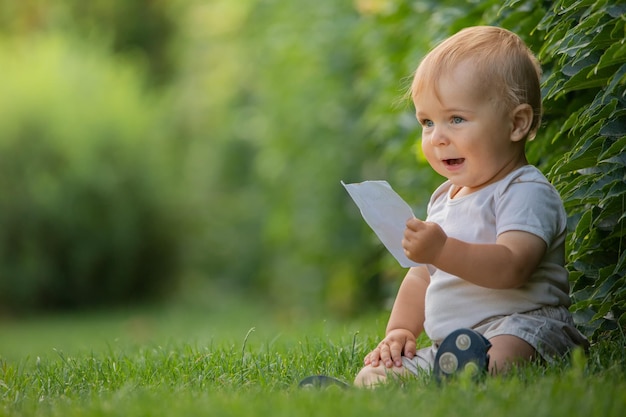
(502, 62)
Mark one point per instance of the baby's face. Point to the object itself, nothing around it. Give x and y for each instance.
(466, 131)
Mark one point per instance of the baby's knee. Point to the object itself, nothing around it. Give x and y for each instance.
(370, 376)
(508, 351)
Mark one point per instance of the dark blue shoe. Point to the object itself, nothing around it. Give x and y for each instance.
(463, 350)
(321, 381)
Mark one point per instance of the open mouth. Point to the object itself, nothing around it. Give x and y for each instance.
(455, 161)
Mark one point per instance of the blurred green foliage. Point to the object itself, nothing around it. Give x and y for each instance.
(292, 100)
(142, 29)
(237, 122)
(86, 204)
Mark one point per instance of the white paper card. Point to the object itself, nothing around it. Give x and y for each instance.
(385, 212)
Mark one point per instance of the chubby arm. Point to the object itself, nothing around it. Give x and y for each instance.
(508, 263)
(405, 323)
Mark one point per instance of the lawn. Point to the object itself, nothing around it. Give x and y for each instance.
(237, 360)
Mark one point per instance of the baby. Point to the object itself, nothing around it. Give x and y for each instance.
(493, 241)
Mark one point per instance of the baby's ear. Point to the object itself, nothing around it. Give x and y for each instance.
(521, 119)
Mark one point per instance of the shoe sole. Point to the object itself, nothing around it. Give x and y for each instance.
(464, 350)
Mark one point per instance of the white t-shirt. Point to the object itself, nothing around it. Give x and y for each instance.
(523, 201)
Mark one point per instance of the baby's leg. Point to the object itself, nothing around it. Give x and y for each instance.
(370, 376)
(507, 351)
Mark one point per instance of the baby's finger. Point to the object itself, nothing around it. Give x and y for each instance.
(396, 354)
(373, 358)
(385, 355)
(414, 223)
(410, 348)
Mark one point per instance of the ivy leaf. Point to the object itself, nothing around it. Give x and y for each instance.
(587, 79)
(614, 128)
(577, 66)
(619, 78)
(613, 55)
(617, 11)
(616, 148)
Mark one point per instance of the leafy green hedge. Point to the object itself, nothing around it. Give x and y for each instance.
(585, 51)
(85, 208)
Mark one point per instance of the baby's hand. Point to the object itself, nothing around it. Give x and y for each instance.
(423, 241)
(389, 351)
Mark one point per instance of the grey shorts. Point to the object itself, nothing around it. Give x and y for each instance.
(549, 330)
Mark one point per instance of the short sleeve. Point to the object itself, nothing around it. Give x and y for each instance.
(532, 206)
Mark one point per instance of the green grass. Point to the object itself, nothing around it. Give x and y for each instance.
(240, 361)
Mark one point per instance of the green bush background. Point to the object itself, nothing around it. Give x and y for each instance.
(87, 214)
(147, 146)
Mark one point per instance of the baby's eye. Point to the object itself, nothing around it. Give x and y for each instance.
(427, 123)
(457, 120)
